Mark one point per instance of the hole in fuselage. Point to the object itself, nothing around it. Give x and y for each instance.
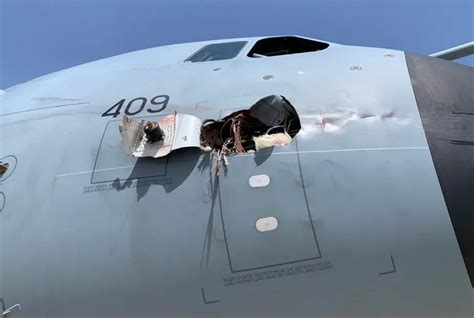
(269, 122)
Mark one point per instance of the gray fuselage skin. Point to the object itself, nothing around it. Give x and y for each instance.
(363, 228)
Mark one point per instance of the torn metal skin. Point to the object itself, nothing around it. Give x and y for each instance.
(157, 139)
(271, 121)
(235, 132)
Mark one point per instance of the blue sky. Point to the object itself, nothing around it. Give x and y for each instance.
(42, 36)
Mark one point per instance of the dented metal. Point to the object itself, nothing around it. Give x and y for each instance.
(271, 121)
(336, 120)
(142, 139)
(237, 132)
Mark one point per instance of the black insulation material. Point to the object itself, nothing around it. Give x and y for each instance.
(444, 93)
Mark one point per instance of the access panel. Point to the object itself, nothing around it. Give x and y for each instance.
(266, 222)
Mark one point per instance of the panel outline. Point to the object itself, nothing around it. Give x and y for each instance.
(233, 271)
(121, 179)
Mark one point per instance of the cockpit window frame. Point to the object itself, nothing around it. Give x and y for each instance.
(239, 53)
(322, 46)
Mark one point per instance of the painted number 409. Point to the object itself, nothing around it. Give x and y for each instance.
(137, 105)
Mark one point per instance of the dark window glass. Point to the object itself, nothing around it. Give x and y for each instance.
(217, 52)
(285, 45)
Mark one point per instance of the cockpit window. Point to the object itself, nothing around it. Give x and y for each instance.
(285, 45)
(217, 52)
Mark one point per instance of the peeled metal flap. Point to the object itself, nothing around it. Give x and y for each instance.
(180, 131)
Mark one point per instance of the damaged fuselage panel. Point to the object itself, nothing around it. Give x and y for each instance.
(271, 121)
